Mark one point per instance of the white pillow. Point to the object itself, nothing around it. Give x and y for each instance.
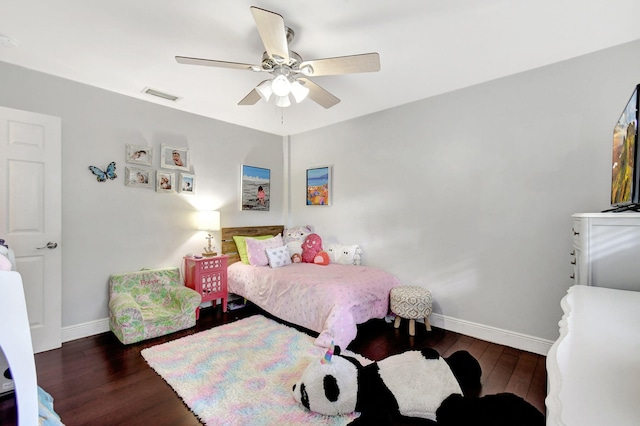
(278, 256)
(344, 254)
(256, 249)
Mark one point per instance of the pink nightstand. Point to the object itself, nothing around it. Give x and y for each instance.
(208, 276)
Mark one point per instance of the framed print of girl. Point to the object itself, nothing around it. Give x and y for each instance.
(256, 188)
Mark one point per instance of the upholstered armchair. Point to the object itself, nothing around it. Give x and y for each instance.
(150, 303)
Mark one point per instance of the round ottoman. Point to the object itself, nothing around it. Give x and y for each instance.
(411, 302)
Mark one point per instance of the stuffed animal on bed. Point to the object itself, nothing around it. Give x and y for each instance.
(413, 383)
(311, 247)
(295, 236)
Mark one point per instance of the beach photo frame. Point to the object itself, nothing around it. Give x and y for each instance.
(319, 189)
(174, 157)
(255, 188)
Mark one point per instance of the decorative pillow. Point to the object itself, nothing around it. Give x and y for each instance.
(312, 245)
(322, 258)
(344, 254)
(295, 236)
(257, 249)
(278, 256)
(242, 245)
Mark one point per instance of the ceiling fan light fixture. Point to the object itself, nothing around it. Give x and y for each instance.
(298, 91)
(264, 90)
(306, 70)
(283, 101)
(281, 85)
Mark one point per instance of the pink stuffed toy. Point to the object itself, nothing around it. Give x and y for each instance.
(310, 248)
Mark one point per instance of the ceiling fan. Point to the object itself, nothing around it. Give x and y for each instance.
(289, 72)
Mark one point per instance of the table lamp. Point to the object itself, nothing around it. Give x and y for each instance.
(209, 221)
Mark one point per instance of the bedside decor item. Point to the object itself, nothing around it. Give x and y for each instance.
(135, 176)
(209, 221)
(137, 154)
(108, 173)
(319, 186)
(255, 193)
(220, 373)
(164, 182)
(187, 183)
(174, 157)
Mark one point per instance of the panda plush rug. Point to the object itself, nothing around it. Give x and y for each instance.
(418, 384)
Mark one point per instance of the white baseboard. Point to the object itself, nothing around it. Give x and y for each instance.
(86, 329)
(479, 331)
(492, 334)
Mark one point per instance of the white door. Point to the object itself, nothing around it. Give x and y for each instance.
(30, 216)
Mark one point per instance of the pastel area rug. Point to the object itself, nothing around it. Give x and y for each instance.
(242, 373)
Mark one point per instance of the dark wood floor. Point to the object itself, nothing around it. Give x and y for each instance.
(97, 381)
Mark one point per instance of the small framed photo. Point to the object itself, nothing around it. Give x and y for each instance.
(164, 182)
(174, 157)
(255, 192)
(137, 154)
(187, 183)
(135, 176)
(319, 186)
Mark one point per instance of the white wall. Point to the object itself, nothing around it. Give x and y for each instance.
(470, 193)
(109, 227)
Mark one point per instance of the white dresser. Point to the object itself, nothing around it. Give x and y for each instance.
(606, 250)
(594, 366)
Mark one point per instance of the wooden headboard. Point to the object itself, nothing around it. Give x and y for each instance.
(229, 246)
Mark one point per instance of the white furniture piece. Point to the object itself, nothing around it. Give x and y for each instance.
(594, 368)
(606, 250)
(15, 340)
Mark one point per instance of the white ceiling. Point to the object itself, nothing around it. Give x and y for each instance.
(426, 47)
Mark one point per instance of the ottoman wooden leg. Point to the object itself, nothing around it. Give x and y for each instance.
(412, 327)
(396, 323)
(426, 323)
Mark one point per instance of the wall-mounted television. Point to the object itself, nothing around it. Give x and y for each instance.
(625, 176)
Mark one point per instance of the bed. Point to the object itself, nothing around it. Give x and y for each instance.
(330, 300)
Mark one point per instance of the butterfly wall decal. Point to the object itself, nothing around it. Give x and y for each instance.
(109, 173)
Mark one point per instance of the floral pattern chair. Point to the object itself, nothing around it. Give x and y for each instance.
(150, 303)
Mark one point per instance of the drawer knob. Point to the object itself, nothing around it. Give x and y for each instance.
(575, 233)
(573, 253)
(572, 276)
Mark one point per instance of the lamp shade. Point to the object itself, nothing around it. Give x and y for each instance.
(209, 220)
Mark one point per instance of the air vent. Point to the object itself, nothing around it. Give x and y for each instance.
(159, 94)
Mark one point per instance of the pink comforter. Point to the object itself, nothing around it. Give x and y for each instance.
(330, 300)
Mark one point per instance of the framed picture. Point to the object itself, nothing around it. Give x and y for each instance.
(164, 182)
(135, 176)
(137, 154)
(319, 186)
(187, 183)
(174, 157)
(255, 193)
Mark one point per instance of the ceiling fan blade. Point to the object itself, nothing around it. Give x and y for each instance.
(318, 94)
(366, 62)
(273, 34)
(251, 99)
(218, 64)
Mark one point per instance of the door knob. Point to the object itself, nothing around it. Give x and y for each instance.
(50, 245)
